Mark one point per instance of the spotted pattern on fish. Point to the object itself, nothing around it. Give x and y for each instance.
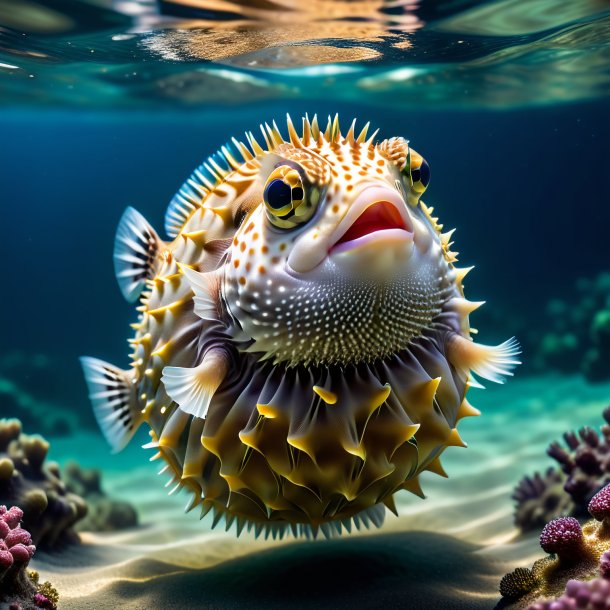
(303, 347)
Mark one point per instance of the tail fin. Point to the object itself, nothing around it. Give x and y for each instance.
(113, 397)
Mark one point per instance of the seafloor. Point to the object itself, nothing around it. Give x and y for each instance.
(448, 551)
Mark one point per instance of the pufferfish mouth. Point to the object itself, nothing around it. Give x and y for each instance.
(377, 214)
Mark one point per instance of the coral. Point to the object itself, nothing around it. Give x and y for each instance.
(585, 468)
(577, 555)
(18, 587)
(541, 498)
(590, 595)
(564, 538)
(105, 514)
(585, 461)
(26, 480)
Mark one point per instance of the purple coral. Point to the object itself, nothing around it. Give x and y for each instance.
(16, 548)
(563, 537)
(585, 468)
(18, 589)
(599, 507)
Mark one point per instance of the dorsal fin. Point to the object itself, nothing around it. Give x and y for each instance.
(136, 247)
(114, 401)
(201, 182)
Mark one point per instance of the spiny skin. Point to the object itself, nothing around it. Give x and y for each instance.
(331, 349)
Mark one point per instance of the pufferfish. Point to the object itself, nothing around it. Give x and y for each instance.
(303, 347)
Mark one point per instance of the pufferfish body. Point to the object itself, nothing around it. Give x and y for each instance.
(303, 347)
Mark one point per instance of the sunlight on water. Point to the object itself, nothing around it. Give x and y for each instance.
(503, 53)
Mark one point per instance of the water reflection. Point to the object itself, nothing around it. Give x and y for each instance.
(145, 53)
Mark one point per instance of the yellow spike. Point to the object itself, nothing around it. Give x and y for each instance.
(461, 273)
(315, 129)
(362, 137)
(464, 306)
(381, 396)
(160, 311)
(234, 483)
(265, 129)
(328, 130)
(243, 149)
(414, 487)
(436, 467)
(467, 410)
(221, 172)
(294, 137)
(225, 213)
(198, 237)
(254, 145)
(391, 504)
(335, 132)
(276, 136)
(357, 450)
(455, 440)
(330, 398)
(373, 136)
(349, 138)
(446, 238)
(301, 444)
(267, 411)
(427, 390)
(230, 159)
(306, 138)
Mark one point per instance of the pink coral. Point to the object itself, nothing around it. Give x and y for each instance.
(16, 548)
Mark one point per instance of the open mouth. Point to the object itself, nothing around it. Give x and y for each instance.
(378, 217)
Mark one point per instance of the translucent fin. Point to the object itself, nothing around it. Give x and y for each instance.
(112, 395)
(193, 388)
(487, 361)
(206, 288)
(136, 246)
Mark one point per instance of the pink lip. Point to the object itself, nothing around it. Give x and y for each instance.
(380, 220)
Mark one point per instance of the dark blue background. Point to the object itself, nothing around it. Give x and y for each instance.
(528, 190)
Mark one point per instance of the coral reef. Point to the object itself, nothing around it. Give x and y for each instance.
(20, 589)
(585, 468)
(105, 514)
(26, 480)
(541, 498)
(568, 576)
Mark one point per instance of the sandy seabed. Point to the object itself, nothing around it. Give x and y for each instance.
(448, 551)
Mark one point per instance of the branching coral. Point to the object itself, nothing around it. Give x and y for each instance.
(26, 480)
(568, 576)
(541, 498)
(585, 468)
(18, 587)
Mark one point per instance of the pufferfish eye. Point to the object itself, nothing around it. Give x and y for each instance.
(285, 198)
(418, 171)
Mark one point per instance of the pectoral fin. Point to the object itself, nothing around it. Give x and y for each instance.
(193, 388)
(486, 361)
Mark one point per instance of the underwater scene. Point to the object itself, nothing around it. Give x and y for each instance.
(305, 304)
